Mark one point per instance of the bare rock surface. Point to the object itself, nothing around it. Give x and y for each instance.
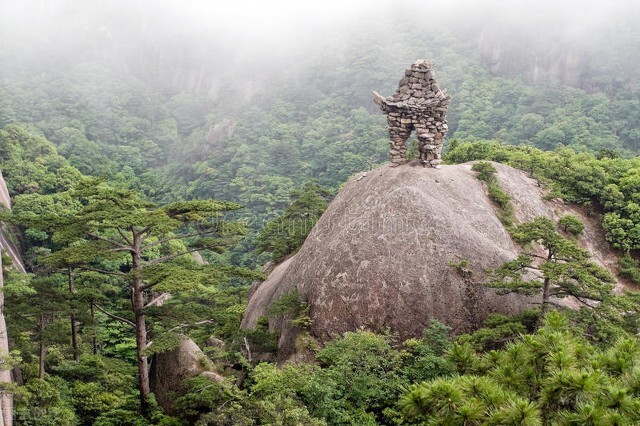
(5, 243)
(5, 200)
(382, 256)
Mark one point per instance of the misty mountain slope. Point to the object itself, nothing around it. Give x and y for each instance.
(137, 95)
(383, 254)
(191, 111)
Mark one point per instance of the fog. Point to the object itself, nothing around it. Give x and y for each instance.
(221, 36)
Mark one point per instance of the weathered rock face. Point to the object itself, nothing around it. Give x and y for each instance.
(381, 257)
(170, 369)
(418, 104)
(6, 399)
(5, 200)
(5, 243)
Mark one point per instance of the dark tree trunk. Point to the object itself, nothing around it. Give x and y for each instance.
(43, 349)
(141, 328)
(74, 328)
(545, 296)
(546, 289)
(94, 337)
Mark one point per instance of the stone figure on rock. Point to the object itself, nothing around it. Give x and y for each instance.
(418, 105)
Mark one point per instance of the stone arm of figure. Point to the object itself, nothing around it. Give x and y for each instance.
(378, 99)
(384, 103)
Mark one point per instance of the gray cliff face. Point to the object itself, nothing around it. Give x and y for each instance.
(5, 200)
(6, 245)
(381, 256)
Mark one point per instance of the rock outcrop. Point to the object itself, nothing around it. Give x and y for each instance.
(6, 398)
(5, 200)
(170, 369)
(383, 256)
(6, 245)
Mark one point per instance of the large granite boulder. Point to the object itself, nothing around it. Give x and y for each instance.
(384, 254)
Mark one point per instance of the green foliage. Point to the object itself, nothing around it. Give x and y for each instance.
(30, 163)
(550, 377)
(84, 228)
(629, 268)
(571, 224)
(285, 234)
(609, 184)
(424, 358)
(292, 307)
(462, 266)
(503, 200)
(175, 144)
(486, 172)
(359, 376)
(45, 403)
(621, 231)
(564, 270)
(467, 400)
(500, 330)
(365, 369)
(90, 400)
(272, 399)
(261, 338)
(276, 390)
(289, 304)
(203, 395)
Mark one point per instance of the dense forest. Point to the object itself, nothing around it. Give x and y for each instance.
(157, 162)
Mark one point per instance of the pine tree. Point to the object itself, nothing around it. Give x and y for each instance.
(563, 270)
(118, 233)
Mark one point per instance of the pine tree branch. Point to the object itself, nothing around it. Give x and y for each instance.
(190, 325)
(562, 259)
(170, 256)
(148, 286)
(103, 271)
(167, 239)
(114, 316)
(124, 237)
(579, 299)
(537, 256)
(121, 249)
(107, 240)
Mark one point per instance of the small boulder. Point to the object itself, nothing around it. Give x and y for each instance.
(169, 370)
(214, 342)
(212, 375)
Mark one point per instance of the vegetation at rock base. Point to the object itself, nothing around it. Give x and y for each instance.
(549, 377)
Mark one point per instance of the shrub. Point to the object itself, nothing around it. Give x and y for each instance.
(571, 224)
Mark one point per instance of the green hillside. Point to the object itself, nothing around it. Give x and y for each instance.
(168, 152)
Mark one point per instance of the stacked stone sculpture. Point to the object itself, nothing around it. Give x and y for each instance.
(418, 105)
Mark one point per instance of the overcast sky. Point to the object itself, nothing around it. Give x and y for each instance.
(281, 20)
(281, 30)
